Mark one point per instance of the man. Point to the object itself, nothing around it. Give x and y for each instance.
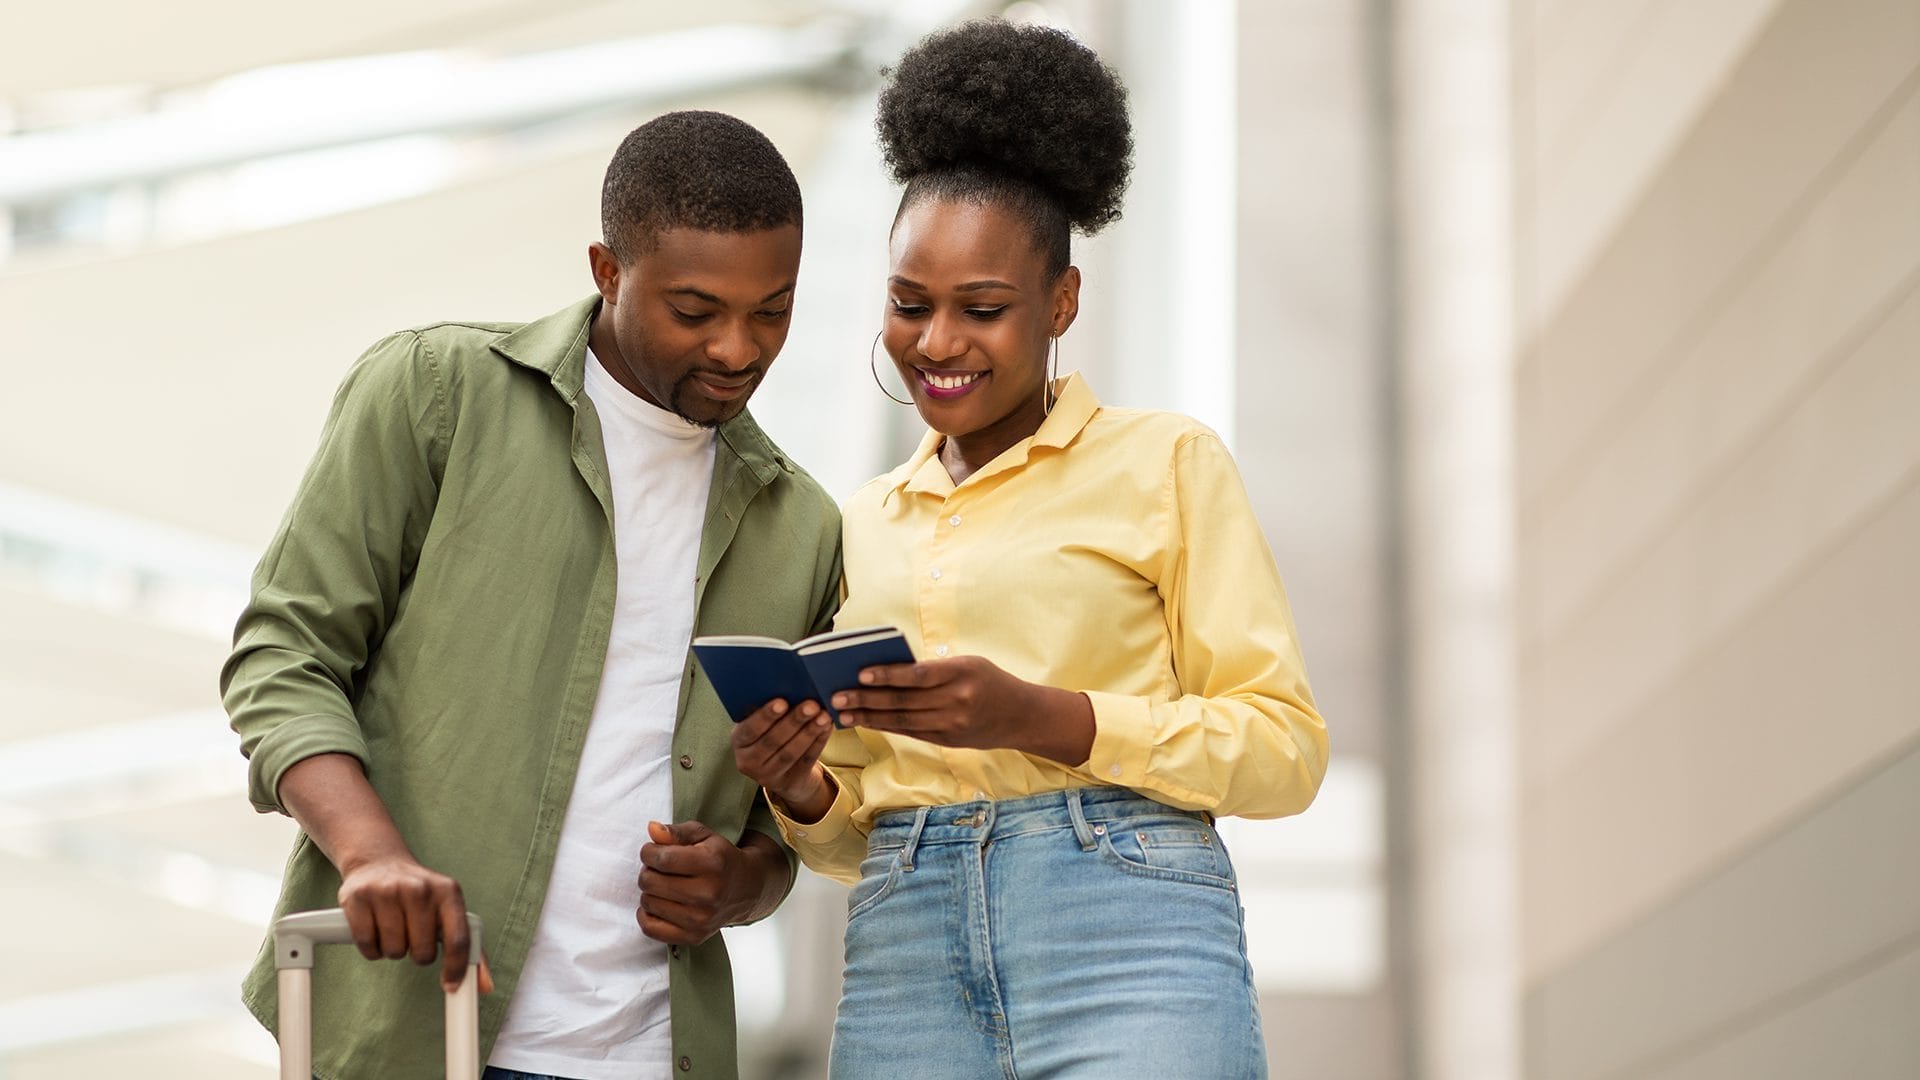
(465, 667)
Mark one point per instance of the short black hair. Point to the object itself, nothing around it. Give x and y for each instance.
(1023, 117)
(698, 170)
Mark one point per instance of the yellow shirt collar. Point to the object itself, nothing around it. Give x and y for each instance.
(1074, 404)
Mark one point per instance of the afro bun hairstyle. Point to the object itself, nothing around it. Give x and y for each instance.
(995, 112)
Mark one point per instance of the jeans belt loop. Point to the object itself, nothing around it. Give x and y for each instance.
(913, 840)
(1081, 830)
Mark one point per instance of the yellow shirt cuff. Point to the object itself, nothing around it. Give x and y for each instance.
(831, 826)
(1122, 738)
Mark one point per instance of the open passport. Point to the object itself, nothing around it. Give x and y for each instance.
(747, 672)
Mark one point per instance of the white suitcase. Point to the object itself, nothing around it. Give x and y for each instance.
(294, 939)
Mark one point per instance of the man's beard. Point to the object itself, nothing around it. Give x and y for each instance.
(684, 391)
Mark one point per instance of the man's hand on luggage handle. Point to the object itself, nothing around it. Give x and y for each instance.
(395, 906)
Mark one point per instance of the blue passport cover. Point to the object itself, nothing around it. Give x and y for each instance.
(746, 673)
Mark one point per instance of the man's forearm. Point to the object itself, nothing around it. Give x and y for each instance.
(331, 798)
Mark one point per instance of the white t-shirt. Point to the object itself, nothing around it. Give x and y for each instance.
(592, 1000)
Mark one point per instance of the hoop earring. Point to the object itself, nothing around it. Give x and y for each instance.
(873, 365)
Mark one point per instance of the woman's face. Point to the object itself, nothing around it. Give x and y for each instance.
(968, 317)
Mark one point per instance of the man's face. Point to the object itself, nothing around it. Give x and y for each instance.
(692, 323)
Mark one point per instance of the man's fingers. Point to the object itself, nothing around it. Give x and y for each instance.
(690, 915)
(675, 923)
(660, 929)
(422, 914)
(680, 860)
(698, 889)
(390, 925)
(458, 938)
(366, 936)
(689, 832)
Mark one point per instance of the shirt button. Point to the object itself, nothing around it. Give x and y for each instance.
(979, 794)
(800, 834)
(673, 951)
(686, 1063)
(686, 761)
(954, 521)
(939, 650)
(1113, 771)
(935, 574)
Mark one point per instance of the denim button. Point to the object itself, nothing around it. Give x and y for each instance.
(1099, 830)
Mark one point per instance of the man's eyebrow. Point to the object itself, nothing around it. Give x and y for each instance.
(701, 294)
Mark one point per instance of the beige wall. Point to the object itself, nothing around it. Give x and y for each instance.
(1718, 500)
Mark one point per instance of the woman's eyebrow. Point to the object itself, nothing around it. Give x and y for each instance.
(971, 286)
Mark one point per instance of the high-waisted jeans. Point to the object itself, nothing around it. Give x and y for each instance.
(1079, 934)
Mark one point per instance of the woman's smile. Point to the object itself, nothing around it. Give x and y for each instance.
(948, 384)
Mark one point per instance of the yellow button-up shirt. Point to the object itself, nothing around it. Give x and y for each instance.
(1113, 552)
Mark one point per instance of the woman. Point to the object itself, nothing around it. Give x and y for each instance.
(1106, 654)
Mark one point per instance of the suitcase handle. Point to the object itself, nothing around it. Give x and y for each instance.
(294, 939)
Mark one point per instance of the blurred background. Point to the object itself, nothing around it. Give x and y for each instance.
(1570, 350)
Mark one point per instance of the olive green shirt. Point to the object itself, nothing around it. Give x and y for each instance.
(437, 603)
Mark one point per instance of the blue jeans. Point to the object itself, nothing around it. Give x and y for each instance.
(1079, 934)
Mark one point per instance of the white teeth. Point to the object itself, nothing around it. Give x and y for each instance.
(950, 382)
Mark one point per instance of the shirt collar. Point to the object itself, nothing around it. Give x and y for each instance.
(556, 346)
(1074, 404)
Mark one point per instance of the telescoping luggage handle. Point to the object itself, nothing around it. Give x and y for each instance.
(294, 938)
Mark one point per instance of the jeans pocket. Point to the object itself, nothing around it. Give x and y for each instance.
(1182, 849)
(879, 873)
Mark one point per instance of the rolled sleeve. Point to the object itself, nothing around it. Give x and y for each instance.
(292, 741)
(330, 581)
